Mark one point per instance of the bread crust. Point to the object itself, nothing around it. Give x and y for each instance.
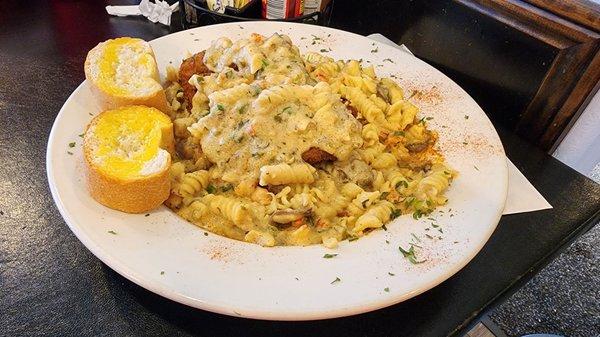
(134, 195)
(109, 101)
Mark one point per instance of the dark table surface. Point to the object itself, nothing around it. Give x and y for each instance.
(50, 284)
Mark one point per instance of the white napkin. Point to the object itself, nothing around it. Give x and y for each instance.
(522, 196)
(155, 12)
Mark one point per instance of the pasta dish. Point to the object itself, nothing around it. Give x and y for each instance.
(278, 148)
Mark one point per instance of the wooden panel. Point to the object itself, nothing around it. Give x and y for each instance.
(568, 82)
(583, 12)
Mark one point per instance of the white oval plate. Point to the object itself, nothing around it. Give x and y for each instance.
(177, 260)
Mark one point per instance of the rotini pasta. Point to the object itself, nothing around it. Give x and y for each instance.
(279, 148)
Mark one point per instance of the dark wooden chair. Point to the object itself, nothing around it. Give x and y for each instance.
(532, 65)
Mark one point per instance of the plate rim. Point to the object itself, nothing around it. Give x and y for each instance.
(255, 313)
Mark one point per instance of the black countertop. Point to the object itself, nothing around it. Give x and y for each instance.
(50, 284)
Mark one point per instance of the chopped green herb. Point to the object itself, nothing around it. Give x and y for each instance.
(265, 63)
(391, 274)
(387, 241)
(416, 238)
(364, 203)
(386, 289)
(354, 238)
(417, 214)
(399, 133)
(337, 279)
(465, 143)
(324, 50)
(403, 183)
(226, 187)
(113, 232)
(375, 50)
(147, 214)
(421, 121)
(329, 256)
(384, 195)
(388, 60)
(240, 139)
(220, 107)
(72, 144)
(70, 153)
(81, 135)
(199, 79)
(278, 118)
(162, 272)
(410, 255)
(243, 109)
(395, 213)
(205, 234)
(287, 109)
(440, 230)
(428, 118)
(384, 227)
(210, 189)
(476, 167)
(466, 117)
(429, 236)
(434, 225)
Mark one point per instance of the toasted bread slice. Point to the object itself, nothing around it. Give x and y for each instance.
(127, 158)
(123, 72)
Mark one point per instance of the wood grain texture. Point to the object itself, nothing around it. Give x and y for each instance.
(572, 76)
(583, 12)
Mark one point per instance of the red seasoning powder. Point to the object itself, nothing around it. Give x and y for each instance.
(282, 9)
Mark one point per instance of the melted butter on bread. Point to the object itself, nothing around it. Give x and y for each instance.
(131, 141)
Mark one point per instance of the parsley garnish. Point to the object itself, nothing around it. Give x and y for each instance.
(416, 238)
(199, 79)
(337, 279)
(72, 144)
(81, 135)
(428, 118)
(329, 256)
(387, 241)
(162, 272)
(386, 289)
(147, 214)
(70, 153)
(287, 109)
(243, 109)
(324, 50)
(220, 107)
(465, 143)
(113, 232)
(354, 238)
(278, 118)
(265, 63)
(226, 188)
(403, 183)
(388, 60)
(417, 214)
(375, 50)
(396, 213)
(391, 274)
(410, 255)
(466, 117)
(476, 167)
(384, 227)
(210, 189)
(429, 236)
(384, 195)
(205, 234)
(399, 133)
